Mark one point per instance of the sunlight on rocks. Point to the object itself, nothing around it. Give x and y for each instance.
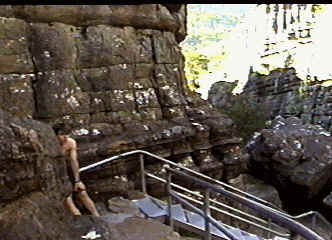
(263, 41)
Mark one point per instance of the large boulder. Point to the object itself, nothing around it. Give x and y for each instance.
(220, 94)
(33, 182)
(295, 157)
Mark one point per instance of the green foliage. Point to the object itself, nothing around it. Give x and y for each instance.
(208, 26)
(196, 64)
(248, 116)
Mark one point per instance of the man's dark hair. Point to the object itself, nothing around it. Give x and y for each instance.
(58, 127)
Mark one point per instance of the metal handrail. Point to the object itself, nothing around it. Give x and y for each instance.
(178, 166)
(205, 216)
(273, 207)
(224, 205)
(260, 208)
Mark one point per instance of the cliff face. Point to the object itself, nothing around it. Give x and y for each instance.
(287, 95)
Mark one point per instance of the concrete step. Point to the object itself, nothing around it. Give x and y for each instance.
(156, 209)
(149, 208)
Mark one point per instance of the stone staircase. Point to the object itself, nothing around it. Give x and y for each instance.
(155, 209)
(199, 220)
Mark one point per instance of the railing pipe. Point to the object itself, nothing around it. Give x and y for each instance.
(201, 213)
(107, 160)
(207, 213)
(143, 182)
(261, 209)
(222, 211)
(169, 199)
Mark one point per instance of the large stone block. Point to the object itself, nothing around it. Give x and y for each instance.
(166, 75)
(166, 49)
(122, 100)
(296, 156)
(14, 54)
(146, 98)
(167, 80)
(120, 44)
(150, 114)
(53, 46)
(73, 120)
(58, 94)
(124, 116)
(176, 112)
(16, 94)
(30, 160)
(69, 14)
(152, 16)
(122, 76)
(7, 11)
(90, 48)
(94, 79)
(144, 52)
(105, 45)
(28, 218)
(16, 63)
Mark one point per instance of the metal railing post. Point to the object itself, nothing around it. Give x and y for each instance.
(207, 213)
(143, 182)
(169, 199)
(269, 226)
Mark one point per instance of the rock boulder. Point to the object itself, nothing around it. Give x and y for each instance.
(295, 157)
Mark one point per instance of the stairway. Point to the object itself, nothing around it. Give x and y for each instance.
(155, 209)
(192, 221)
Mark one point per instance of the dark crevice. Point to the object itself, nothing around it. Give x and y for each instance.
(35, 114)
(154, 81)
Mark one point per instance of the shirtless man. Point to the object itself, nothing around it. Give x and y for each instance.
(69, 149)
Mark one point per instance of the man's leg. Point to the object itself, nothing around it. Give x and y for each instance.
(71, 205)
(88, 203)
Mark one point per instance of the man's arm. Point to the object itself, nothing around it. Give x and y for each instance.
(73, 160)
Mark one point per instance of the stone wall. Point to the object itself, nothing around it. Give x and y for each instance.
(114, 75)
(287, 95)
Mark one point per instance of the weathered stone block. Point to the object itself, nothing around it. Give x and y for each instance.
(53, 46)
(49, 13)
(100, 117)
(122, 76)
(176, 112)
(166, 75)
(14, 53)
(144, 52)
(150, 114)
(17, 95)
(28, 159)
(90, 47)
(146, 98)
(16, 63)
(99, 102)
(120, 43)
(122, 100)
(58, 94)
(105, 45)
(166, 49)
(123, 116)
(94, 79)
(6, 11)
(70, 120)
